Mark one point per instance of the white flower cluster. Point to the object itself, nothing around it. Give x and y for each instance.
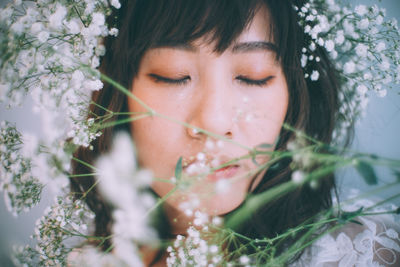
(90, 256)
(66, 220)
(197, 248)
(49, 50)
(193, 250)
(365, 47)
(125, 188)
(21, 189)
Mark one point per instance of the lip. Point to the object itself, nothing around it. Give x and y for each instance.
(226, 172)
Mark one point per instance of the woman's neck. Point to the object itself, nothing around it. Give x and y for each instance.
(178, 221)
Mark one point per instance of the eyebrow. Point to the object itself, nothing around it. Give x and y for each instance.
(179, 46)
(254, 46)
(241, 47)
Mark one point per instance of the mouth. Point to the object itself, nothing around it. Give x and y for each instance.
(206, 168)
(226, 172)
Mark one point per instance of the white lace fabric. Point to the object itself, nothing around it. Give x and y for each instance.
(376, 242)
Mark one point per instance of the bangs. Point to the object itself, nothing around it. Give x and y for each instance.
(175, 22)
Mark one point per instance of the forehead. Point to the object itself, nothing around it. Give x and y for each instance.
(260, 27)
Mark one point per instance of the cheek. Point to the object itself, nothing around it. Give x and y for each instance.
(265, 115)
(154, 137)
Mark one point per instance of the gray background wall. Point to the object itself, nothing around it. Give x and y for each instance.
(377, 133)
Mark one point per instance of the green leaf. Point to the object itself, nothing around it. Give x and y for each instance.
(367, 172)
(264, 146)
(348, 216)
(253, 158)
(178, 169)
(356, 222)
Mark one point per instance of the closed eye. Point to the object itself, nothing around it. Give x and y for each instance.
(162, 79)
(260, 82)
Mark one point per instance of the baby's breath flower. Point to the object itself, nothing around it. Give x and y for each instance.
(361, 10)
(67, 219)
(21, 189)
(298, 177)
(360, 36)
(314, 75)
(193, 250)
(361, 50)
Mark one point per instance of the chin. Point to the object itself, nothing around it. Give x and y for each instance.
(221, 204)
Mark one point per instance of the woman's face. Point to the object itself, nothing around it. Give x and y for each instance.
(240, 94)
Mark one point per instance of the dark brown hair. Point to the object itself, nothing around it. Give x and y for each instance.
(313, 105)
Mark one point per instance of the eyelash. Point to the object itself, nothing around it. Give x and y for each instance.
(185, 79)
(261, 82)
(180, 81)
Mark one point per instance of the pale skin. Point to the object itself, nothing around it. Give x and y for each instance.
(240, 94)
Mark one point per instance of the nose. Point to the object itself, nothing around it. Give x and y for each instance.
(214, 110)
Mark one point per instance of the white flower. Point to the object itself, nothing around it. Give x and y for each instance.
(361, 50)
(98, 18)
(56, 18)
(348, 27)
(298, 177)
(363, 24)
(244, 259)
(381, 93)
(74, 26)
(349, 67)
(387, 80)
(43, 36)
(373, 31)
(333, 54)
(116, 3)
(362, 89)
(324, 23)
(385, 65)
(312, 46)
(380, 46)
(200, 156)
(113, 32)
(36, 28)
(339, 39)
(367, 76)
(329, 45)
(361, 10)
(304, 60)
(92, 85)
(314, 75)
(379, 20)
